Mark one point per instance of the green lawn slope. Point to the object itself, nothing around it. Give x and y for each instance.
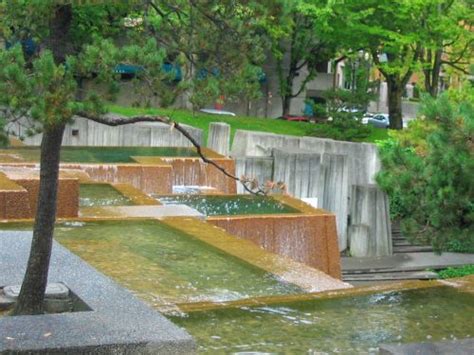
(202, 120)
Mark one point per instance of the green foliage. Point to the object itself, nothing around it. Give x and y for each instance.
(431, 184)
(451, 272)
(356, 98)
(301, 38)
(343, 129)
(219, 44)
(43, 89)
(217, 37)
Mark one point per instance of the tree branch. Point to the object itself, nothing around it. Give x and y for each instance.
(462, 70)
(114, 120)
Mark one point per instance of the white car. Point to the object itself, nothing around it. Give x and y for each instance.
(379, 120)
(213, 111)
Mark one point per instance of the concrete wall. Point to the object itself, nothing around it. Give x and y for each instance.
(219, 137)
(156, 179)
(19, 196)
(83, 132)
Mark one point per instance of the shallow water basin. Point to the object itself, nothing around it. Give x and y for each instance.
(97, 154)
(93, 195)
(351, 325)
(219, 205)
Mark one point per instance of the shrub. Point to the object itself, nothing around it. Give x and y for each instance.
(428, 173)
(343, 129)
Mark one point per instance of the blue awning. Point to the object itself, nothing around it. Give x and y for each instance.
(29, 46)
(167, 68)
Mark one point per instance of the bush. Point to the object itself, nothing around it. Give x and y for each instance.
(451, 272)
(342, 128)
(428, 172)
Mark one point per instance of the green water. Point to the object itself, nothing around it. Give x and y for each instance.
(230, 205)
(165, 266)
(91, 195)
(355, 325)
(105, 154)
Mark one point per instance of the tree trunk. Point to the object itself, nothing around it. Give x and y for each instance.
(286, 104)
(436, 72)
(432, 74)
(30, 300)
(395, 92)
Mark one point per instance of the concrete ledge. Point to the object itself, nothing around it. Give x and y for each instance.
(145, 211)
(458, 347)
(118, 322)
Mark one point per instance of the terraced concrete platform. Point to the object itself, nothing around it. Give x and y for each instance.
(404, 266)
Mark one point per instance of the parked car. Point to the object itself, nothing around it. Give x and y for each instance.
(379, 120)
(294, 118)
(213, 111)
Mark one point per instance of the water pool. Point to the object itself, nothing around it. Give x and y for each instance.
(215, 205)
(102, 154)
(355, 325)
(165, 266)
(91, 195)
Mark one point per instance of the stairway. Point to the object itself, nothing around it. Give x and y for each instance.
(387, 272)
(402, 245)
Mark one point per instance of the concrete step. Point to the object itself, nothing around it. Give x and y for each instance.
(391, 276)
(408, 262)
(412, 249)
(401, 243)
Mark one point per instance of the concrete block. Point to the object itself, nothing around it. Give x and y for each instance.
(334, 196)
(369, 206)
(53, 290)
(219, 137)
(360, 240)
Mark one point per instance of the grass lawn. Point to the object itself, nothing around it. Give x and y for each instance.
(456, 271)
(202, 120)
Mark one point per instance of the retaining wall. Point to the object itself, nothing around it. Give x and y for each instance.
(19, 196)
(362, 157)
(311, 168)
(83, 132)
